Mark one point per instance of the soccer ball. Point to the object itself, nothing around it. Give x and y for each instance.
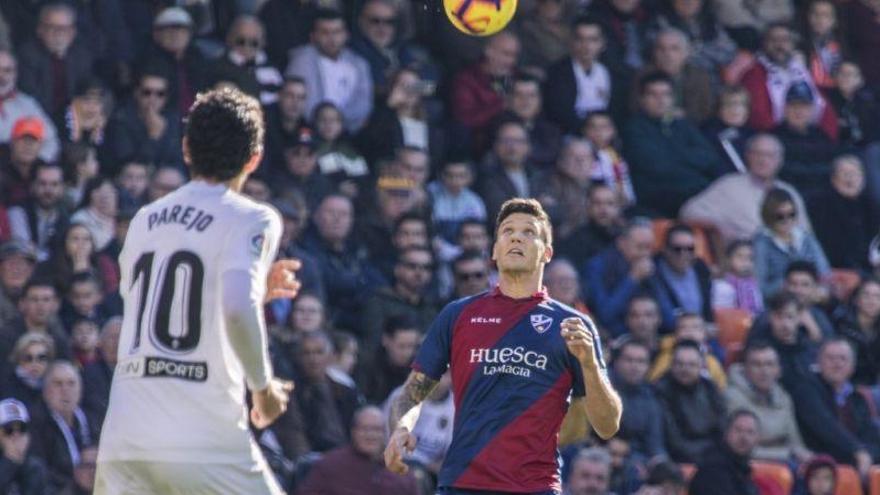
(479, 17)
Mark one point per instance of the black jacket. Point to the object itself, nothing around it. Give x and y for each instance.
(722, 472)
(693, 417)
(844, 227)
(28, 478)
(704, 279)
(35, 72)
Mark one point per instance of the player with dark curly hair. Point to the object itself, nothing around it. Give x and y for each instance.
(197, 267)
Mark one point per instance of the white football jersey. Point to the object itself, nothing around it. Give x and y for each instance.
(178, 391)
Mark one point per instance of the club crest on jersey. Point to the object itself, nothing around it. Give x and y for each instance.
(541, 323)
(257, 243)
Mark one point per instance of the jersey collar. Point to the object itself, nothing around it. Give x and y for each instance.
(540, 295)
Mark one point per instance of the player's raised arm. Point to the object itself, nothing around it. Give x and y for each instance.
(602, 404)
(405, 411)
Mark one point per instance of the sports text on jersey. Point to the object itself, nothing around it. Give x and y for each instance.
(159, 367)
(188, 216)
(483, 319)
(506, 360)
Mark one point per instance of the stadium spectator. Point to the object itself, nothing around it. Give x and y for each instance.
(357, 467)
(563, 191)
(18, 104)
(625, 23)
(728, 129)
(525, 103)
(590, 473)
(17, 261)
(754, 386)
(43, 216)
(692, 89)
(737, 287)
(823, 45)
(616, 274)
(775, 70)
(859, 323)
(333, 72)
(610, 168)
(669, 157)
(454, 201)
(97, 210)
(843, 218)
(856, 106)
(643, 322)
(173, 54)
(507, 173)
(689, 327)
(394, 197)
(347, 275)
(307, 314)
(685, 279)
(29, 361)
(642, 422)
(63, 432)
(146, 129)
(406, 296)
(17, 164)
(545, 36)
(378, 41)
(693, 407)
(604, 220)
(84, 341)
(337, 157)
(98, 375)
(284, 118)
(478, 91)
(325, 405)
(782, 241)
(20, 471)
(732, 202)
(74, 254)
(387, 366)
(39, 313)
(287, 26)
(133, 180)
(52, 64)
(797, 352)
(563, 284)
(711, 47)
(300, 170)
(864, 37)
(746, 21)
(84, 120)
(401, 120)
(294, 216)
(820, 475)
(726, 471)
(664, 478)
(470, 271)
(83, 300)
(164, 181)
(579, 83)
(245, 63)
(80, 163)
(834, 418)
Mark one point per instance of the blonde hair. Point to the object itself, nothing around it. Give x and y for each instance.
(29, 339)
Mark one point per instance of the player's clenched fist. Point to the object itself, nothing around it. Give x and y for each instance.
(401, 439)
(270, 402)
(579, 339)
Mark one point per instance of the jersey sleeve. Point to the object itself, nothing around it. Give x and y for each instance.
(433, 356)
(578, 388)
(253, 244)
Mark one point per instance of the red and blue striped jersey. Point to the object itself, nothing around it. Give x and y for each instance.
(512, 379)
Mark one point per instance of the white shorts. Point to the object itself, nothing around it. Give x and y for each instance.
(174, 478)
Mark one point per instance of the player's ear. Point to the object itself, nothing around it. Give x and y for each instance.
(252, 164)
(548, 253)
(186, 156)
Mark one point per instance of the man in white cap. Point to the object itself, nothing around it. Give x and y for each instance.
(19, 473)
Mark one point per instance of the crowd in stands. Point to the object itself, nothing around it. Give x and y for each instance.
(711, 168)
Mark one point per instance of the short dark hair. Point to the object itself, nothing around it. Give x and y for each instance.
(412, 216)
(39, 281)
(523, 78)
(40, 165)
(775, 198)
(734, 246)
(84, 278)
(677, 228)
(686, 344)
(528, 206)
(641, 296)
(739, 413)
(90, 187)
(802, 266)
(224, 130)
(781, 299)
(398, 322)
(620, 345)
(587, 20)
(757, 345)
(653, 78)
(324, 14)
(469, 255)
(415, 249)
(73, 154)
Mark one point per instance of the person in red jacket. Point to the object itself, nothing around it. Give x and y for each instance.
(776, 68)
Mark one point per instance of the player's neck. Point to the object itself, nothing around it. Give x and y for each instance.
(236, 183)
(520, 285)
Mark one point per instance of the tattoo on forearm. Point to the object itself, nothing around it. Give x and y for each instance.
(416, 389)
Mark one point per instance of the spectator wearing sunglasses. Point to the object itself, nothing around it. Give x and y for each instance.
(30, 359)
(782, 241)
(145, 129)
(19, 472)
(245, 62)
(685, 278)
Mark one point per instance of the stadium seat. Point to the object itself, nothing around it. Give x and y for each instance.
(778, 473)
(874, 476)
(848, 482)
(733, 328)
(702, 239)
(844, 282)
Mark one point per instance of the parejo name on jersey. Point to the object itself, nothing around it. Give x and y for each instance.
(188, 216)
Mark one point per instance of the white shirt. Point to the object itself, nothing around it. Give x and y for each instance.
(593, 88)
(179, 385)
(338, 78)
(415, 132)
(433, 429)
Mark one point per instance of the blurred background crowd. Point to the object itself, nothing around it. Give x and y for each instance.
(711, 167)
